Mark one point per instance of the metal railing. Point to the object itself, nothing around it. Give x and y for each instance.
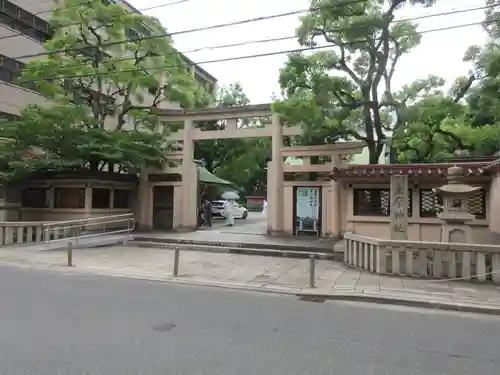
(90, 227)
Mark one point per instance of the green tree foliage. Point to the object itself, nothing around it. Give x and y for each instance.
(482, 97)
(345, 91)
(467, 119)
(429, 133)
(242, 161)
(438, 128)
(100, 92)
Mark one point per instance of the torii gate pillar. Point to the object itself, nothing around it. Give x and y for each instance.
(275, 180)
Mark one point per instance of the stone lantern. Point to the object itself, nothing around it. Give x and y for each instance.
(455, 214)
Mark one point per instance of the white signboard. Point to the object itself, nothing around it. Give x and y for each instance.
(307, 209)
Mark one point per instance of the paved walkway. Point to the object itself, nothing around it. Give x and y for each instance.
(248, 232)
(255, 223)
(282, 275)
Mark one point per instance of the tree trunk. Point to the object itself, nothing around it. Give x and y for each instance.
(375, 150)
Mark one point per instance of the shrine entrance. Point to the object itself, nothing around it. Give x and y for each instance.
(231, 120)
(284, 213)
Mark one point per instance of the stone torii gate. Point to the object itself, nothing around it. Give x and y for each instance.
(188, 169)
(186, 190)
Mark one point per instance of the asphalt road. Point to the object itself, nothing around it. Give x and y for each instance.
(53, 324)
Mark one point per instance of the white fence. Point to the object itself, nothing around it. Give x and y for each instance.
(30, 232)
(425, 259)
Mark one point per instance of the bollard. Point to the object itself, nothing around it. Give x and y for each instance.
(70, 254)
(176, 261)
(127, 233)
(312, 271)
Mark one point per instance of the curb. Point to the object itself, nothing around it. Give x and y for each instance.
(237, 248)
(399, 301)
(298, 292)
(61, 268)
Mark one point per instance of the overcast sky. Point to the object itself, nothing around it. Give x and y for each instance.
(440, 52)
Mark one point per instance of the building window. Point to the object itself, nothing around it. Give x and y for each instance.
(431, 203)
(84, 95)
(4, 116)
(36, 198)
(121, 198)
(375, 202)
(153, 90)
(18, 19)
(101, 198)
(137, 32)
(132, 35)
(10, 71)
(477, 204)
(371, 202)
(89, 50)
(69, 198)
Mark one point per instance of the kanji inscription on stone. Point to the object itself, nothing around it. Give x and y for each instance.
(399, 207)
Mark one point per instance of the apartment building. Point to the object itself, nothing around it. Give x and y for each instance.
(23, 28)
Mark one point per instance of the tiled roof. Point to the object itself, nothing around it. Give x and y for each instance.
(492, 166)
(438, 170)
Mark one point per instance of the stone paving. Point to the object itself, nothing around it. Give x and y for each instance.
(264, 273)
(250, 231)
(255, 223)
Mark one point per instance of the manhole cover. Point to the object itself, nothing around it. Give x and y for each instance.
(163, 327)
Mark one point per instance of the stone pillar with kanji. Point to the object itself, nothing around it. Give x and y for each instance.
(399, 207)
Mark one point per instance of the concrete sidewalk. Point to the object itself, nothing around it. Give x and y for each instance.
(267, 274)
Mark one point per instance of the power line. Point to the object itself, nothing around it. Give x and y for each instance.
(235, 24)
(247, 57)
(204, 28)
(278, 39)
(88, 2)
(163, 5)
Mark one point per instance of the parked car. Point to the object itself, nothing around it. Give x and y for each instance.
(239, 211)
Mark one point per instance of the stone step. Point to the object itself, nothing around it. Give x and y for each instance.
(254, 243)
(239, 248)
